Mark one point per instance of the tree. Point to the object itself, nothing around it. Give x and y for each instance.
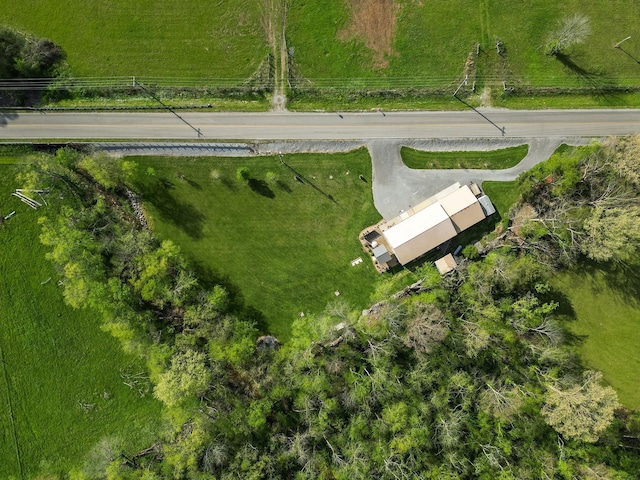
(626, 152)
(242, 174)
(426, 328)
(187, 377)
(582, 411)
(612, 234)
(39, 58)
(10, 46)
(271, 177)
(569, 32)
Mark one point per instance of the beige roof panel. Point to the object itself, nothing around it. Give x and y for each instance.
(425, 241)
(415, 225)
(458, 200)
(468, 217)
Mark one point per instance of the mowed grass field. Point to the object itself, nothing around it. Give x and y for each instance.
(61, 390)
(286, 246)
(492, 159)
(607, 324)
(187, 39)
(388, 41)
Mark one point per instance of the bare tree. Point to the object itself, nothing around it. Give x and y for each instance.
(569, 32)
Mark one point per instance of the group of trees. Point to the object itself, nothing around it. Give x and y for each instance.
(470, 378)
(23, 56)
(584, 202)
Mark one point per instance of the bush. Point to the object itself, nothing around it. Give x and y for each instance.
(242, 174)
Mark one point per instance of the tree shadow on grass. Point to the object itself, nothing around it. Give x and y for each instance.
(283, 186)
(183, 215)
(621, 279)
(261, 188)
(193, 183)
(603, 87)
(228, 183)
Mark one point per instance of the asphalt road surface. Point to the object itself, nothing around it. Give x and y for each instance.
(326, 126)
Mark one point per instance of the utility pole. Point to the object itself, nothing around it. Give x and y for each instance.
(617, 45)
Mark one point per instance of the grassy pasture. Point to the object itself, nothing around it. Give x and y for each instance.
(432, 41)
(188, 39)
(607, 323)
(285, 246)
(493, 159)
(53, 359)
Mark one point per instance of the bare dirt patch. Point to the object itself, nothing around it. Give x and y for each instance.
(373, 22)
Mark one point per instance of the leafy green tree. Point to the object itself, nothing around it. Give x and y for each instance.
(271, 177)
(581, 411)
(242, 174)
(186, 378)
(612, 234)
(39, 58)
(11, 45)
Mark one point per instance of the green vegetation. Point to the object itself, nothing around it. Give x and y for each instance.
(468, 375)
(503, 195)
(489, 160)
(285, 245)
(607, 315)
(187, 41)
(62, 388)
(387, 47)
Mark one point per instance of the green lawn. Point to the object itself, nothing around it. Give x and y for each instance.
(503, 195)
(189, 39)
(53, 359)
(607, 324)
(285, 247)
(492, 159)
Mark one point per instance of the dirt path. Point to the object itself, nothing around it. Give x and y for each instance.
(274, 20)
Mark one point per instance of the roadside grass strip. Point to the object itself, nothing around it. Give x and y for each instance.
(484, 160)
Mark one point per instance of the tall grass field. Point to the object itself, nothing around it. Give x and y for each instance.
(62, 394)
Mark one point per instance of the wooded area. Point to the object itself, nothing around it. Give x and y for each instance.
(472, 377)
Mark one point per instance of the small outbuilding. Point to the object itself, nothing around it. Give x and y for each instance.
(382, 254)
(446, 264)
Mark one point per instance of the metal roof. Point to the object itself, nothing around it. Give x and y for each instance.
(415, 225)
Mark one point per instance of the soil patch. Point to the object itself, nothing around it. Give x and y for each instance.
(373, 22)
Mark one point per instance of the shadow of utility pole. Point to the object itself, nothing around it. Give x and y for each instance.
(305, 180)
(635, 59)
(502, 129)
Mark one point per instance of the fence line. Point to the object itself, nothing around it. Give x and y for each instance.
(364, 84)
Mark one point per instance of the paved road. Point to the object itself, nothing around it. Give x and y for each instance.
(325, 126)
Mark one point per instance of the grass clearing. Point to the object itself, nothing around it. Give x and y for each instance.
(186, 40)
(607, 323)
(54, 359)
(503, 195)
(492, 159)
(284, 246)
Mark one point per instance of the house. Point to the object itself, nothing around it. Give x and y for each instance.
(432, 223)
